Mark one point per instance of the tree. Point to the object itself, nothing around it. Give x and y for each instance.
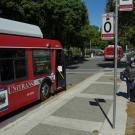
(11, 9)
(22, 10)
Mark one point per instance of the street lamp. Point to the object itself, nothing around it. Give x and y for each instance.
(115, 63)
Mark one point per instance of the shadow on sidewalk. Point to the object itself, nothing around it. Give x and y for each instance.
(97, 103)
(125, 95)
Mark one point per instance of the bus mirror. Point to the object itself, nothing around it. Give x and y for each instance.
(59, 68)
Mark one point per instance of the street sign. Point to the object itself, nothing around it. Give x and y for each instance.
(126, 5)
(107, 26)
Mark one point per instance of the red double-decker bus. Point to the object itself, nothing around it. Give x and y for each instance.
(31, 68)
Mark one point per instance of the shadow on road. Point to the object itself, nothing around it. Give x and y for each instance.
(106, 65)
(97, 103)
(72, 67)
(71, 62)
(111, 65)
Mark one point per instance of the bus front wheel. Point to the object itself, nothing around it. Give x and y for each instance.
(44, 91)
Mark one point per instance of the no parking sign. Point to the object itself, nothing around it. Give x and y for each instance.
(107, 26)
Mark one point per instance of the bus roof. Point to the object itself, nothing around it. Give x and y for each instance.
(13, 41)
(112, 46)
(18, 28)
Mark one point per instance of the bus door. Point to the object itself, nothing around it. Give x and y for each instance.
(60, 69)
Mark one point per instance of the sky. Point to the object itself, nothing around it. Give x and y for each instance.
(95, 10)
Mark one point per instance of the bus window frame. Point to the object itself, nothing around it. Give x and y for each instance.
(13, 60)
(38, 75)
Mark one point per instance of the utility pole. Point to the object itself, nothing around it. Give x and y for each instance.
(115, 62)
(90, 47)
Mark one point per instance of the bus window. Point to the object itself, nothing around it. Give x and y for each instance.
(20, 68)
(6, 70)
(41, 62)
(12, 64)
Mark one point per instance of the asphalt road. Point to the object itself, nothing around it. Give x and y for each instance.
(75, 74)
(80, 71)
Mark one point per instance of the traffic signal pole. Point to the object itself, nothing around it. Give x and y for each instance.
(115, 62)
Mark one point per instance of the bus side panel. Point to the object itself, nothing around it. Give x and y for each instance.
(22, 98)
(29, 64)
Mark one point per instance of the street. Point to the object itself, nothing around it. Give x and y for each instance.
(78, 72)
(86, 105)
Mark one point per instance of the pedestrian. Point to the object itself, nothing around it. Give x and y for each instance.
(130, 75)
(124, 77)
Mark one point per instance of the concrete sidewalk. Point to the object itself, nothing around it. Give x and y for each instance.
(85, 109)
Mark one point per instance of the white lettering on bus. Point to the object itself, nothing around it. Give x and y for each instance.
(20, 87)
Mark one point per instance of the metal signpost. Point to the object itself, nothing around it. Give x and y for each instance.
(115, 63)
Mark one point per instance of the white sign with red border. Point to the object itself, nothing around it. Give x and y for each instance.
(126, 5)
(107, 26)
